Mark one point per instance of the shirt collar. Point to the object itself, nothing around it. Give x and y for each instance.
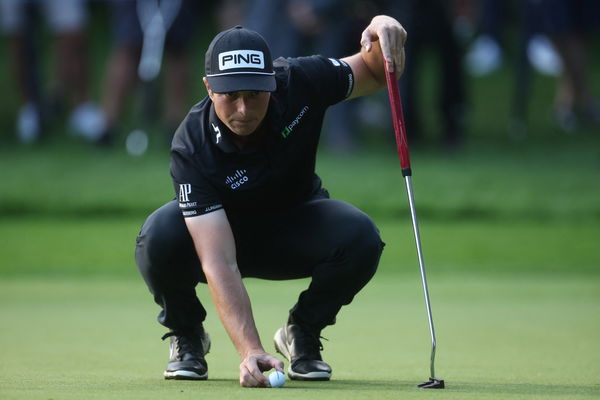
(221, 135)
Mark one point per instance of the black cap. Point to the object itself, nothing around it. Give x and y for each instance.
(239, 59)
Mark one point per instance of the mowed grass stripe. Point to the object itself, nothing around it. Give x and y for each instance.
(104, 247)
(532, 182)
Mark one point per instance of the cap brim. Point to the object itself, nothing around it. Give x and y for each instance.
(238, 82)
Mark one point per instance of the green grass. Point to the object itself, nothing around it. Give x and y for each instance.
(527, 338)
(509, 234)
(510, 246)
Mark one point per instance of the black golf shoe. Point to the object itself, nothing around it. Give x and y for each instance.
(302, 348)
(187, 351)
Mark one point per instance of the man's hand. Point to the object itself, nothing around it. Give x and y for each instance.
(383, 39)
(391, 36)
(253, 366)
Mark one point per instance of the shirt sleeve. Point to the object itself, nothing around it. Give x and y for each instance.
(331, 78)
(196, 196)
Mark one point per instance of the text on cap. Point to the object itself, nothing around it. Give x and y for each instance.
(241, 59)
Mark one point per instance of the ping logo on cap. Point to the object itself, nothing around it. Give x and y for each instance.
(241, 59)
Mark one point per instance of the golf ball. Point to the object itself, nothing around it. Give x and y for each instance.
(276, 379)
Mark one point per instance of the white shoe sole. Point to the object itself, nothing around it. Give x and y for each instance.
(185, 375)
(311, 376)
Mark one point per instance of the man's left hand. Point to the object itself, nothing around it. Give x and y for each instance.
(391, 36)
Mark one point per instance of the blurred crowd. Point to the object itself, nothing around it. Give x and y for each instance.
(151, 47)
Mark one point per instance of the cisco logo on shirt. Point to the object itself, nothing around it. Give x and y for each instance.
(237, 179)
(241, 59)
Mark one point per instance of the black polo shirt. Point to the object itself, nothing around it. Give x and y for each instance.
(209, 171)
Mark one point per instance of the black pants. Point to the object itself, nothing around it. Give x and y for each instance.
(332, 242)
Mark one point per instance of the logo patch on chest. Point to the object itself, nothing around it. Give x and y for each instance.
(287, 130)
(236, 180)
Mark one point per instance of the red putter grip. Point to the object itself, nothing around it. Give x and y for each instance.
(398, 119)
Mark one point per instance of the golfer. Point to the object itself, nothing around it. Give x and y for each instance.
(249, 204)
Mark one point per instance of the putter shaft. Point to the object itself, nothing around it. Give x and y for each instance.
(413, 214)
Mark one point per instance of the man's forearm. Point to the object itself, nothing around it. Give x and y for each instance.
(215, 246)
(233, 306)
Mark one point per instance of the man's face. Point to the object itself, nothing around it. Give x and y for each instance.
(243, 111)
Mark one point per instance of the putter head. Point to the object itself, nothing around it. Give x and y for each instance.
(432, 383)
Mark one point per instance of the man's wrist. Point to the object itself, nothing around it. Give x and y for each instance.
(252, 352)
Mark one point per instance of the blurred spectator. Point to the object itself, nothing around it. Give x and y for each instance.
(429, 23)
(230, 13)
(486, 53)
(569, 23)
(293, 26)
(66, 19)
(296, 27)
(122, 75)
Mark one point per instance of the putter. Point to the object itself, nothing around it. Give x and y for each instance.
(402, 144)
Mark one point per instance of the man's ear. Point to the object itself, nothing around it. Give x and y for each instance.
(210, 92)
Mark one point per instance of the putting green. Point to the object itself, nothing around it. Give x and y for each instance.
(525, 337)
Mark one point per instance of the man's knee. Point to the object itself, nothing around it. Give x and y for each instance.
(360, 248)
(362, 238)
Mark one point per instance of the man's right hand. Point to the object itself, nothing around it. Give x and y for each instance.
(253, 366)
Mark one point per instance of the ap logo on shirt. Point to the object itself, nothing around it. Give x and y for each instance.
(184, 191)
